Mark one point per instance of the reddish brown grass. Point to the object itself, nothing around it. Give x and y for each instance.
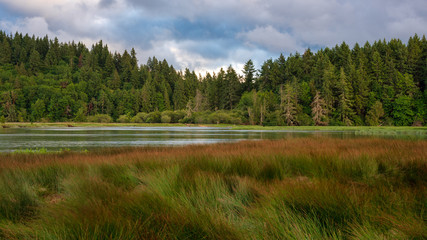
(346, 149)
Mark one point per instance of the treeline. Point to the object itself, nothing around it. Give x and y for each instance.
(380, 84)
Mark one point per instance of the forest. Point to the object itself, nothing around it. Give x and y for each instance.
(378, 84)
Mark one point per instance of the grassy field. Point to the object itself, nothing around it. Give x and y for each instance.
(304, 188)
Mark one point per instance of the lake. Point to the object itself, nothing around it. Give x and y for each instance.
(81, 138)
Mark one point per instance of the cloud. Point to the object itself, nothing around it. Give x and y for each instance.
(270, 38)
(106, 3)
(205, 34)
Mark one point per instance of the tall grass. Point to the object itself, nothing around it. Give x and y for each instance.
(303, 188)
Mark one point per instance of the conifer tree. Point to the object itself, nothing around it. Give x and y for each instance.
(35, 62)
(318, 110)
(231, 89)
(5, 52)
(179, 98)
(288, 104)
(344, 108)
(249, 75)
(375, 114)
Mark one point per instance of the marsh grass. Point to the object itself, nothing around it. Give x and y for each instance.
(303, 188)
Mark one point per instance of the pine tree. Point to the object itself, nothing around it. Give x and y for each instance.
(116, 82)
(221, 95)
(377, 73)
(375, 114)
(249, 75)
(9, 105)
(318, 110)
(288, 104)
(231, 89)
(344, 108)
(104, 103)
(269, 78)
(5, 52)
(35, 62)
(179, 98)
(329, 81)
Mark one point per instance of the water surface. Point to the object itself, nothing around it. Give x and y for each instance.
(80, 138)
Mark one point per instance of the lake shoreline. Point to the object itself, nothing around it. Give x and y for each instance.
(231, 126)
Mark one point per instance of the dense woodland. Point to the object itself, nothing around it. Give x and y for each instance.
(383, 83)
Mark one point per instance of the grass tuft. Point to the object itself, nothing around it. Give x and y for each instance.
(303, 188)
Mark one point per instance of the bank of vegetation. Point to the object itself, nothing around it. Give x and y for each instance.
(383, 83)
(303, 188)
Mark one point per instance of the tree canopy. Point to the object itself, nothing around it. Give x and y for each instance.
(383, 83)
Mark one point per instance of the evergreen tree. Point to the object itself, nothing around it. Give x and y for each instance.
(5, 52)
(319, 111)
(231, 89)
(375, 114)
(344, 108)
(35, 62)
(179, 98)
(402, 113)
(288, 104)
(115, 82)
(249, 75)
(269, 78)
(329, 81)
(382, 82)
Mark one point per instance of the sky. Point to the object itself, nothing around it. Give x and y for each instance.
(205, 35)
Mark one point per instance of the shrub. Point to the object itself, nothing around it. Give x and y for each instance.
(139, 118)
(166, 116)
(304, 119)
(201, 117)
(100, 118)
(80, 115)
(273, 119)
(178, 115)
(153, 117)
(223, 117)
(123, 119)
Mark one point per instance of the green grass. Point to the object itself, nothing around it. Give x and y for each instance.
(304, 188)
(422, 130)
(88, 124)
(45, 151)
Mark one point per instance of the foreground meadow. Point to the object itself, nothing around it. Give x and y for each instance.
(303, 188)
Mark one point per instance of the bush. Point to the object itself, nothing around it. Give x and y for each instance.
(223, 117)
(201, 117)
(273, 119)
(153, 117)
(124, 119)
(100, 118)
(80, 115)
(178, 115)
(187, 119)
(165, 118)
(139, 118)
(304, 119)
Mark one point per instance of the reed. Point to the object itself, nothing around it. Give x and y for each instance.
(301, 188)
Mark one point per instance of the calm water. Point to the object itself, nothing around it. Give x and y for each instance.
(94, 137)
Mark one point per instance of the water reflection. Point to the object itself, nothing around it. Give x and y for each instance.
(85, 138)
